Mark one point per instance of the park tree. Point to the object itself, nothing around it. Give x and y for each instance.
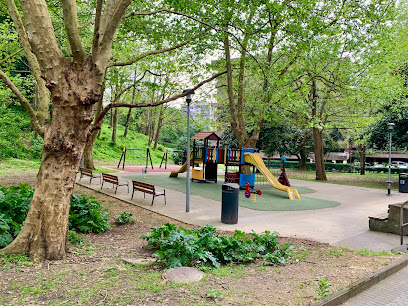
(74, 77)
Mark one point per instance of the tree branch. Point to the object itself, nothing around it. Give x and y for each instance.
(24, 102)
(153, 52)
(43, 42)
(96, 36)
(44, 101)
(98, 121)
(10, 56)
(112, 18)
(69, 11)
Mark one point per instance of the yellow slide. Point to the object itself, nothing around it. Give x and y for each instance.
(256, 160)
(182, 169)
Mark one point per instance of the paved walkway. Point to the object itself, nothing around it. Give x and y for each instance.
(392, 291)
(345, 225)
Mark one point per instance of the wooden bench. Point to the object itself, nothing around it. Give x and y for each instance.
(114, 180)
(88, 172)
(150, 189)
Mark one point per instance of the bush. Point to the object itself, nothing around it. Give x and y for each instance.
(14, 204)
(203, 246)
(124, 218)
(86, 215)
(276, 164)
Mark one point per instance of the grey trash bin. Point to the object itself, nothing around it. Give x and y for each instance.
(403, 182)
(229, 203)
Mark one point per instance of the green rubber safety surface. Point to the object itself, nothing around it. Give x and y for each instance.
(271, 199)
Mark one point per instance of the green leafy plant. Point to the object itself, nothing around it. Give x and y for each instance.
(86, 215)
(14, 204)
(125, 218)
(19, 260)
(213, 294)
(204, 247)
(323, 288)
(75, 237)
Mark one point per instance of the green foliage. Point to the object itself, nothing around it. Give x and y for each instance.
(203, 246)
(75, 238)
(16, 138)
(213, 294)
(7, 261)
(124, 218)
(14, 204)
(86, 215)
(323, 288)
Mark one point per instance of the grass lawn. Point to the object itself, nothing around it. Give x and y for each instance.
(370, 179)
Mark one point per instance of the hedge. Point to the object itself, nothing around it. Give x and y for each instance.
(276, 164)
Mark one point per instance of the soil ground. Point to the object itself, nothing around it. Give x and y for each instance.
(95, 273)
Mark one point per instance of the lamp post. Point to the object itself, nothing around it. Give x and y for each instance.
(390, 128)
(188, 101)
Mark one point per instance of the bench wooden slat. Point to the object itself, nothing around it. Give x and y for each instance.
(148, 188)
(113, 179)
(88, 172)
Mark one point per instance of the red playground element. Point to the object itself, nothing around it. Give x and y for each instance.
(283, 179)
(248, 192)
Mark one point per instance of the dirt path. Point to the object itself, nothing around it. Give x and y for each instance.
(95, 273)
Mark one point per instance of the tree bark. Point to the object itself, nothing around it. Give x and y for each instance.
(114, 125)
(303, 155)
(127, 122)
(159, 126)
(319, 155)
(43, 235)
(88, 151)
(362, 152)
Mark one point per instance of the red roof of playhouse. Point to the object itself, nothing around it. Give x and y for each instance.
(206, 135)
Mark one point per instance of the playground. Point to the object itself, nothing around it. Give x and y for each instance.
(330, 213)
(339, 216)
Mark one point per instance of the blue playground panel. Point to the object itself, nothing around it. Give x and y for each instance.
(247, 178)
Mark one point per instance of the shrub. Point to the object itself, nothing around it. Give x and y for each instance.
(86, 215)
(203, 246)
(124, 218)
(14, 204)
(75, 238)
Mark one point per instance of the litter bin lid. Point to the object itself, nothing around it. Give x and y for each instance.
(230, 186)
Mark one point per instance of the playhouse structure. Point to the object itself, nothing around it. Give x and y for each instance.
(207, 154)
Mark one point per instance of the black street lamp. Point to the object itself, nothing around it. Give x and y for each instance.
(188, 101)
(390, 128)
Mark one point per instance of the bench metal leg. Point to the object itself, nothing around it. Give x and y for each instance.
(132, 194)
(102, 184)
(165, 198)
(153, 200)
(116, 189)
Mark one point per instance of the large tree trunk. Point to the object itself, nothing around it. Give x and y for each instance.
(159, 126)
(43, 235)
(303, 155)
(362, 152)
(114, 125)
(127, 122)
(319, 155)
(88, 151)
